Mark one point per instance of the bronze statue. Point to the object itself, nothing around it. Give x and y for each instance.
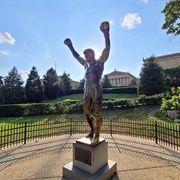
(92, 88)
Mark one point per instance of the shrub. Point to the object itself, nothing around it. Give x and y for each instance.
(77, 91)
(132, 102)
(171, 104)
(11, 110)
(172, 100)
(150, 100)
(122, 90)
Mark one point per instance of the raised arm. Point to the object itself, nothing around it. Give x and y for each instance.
(74, 53)
(105, 29)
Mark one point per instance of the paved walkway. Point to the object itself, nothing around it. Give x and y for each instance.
(136, 159)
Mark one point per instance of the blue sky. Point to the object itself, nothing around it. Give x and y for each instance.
(32, 33)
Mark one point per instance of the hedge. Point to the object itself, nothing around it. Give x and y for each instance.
(73, 106)
(120, 90)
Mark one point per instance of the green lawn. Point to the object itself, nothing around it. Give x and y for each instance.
(140, 113)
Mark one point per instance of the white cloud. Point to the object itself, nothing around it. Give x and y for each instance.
(6, 38)
(4, 52)
(145, 1)
(130, 20)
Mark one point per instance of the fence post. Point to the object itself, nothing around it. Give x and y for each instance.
(110, 126)
(156, 133)
(71, 127)
(25, 132)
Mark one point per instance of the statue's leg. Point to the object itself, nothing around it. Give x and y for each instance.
(99, 121)
(89, 118)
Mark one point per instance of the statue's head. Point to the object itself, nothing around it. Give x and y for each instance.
(89, 55)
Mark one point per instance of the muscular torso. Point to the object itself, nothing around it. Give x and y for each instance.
(92, 86)
(93, 73)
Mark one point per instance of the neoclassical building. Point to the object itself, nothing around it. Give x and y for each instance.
(168, 61)
(119, 78)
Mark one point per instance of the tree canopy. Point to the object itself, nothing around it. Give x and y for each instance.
(51, 85)
(172, 17)
(34, 92)
(151, 79)
(172, 77)
(81, 84)
(12, 90)
(65, 84)
(106, 82)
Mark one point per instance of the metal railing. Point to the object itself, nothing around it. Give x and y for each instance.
(160, 132)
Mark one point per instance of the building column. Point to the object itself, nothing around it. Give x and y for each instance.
(111, 82)
(125, 81)
(122, 81)
(119, 82)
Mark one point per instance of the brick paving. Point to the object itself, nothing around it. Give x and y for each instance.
(136, 159)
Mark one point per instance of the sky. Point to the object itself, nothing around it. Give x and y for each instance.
(32, 33)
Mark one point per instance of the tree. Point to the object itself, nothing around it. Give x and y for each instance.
(65, 84)
(1, 80)
(1, 86)
(33, 87)
(172, 77)
(106, 82)
(172, 17)
(151, 79)
(51, 85)
(56, 90)
(13, 92)
(133, 82)
(81, 84)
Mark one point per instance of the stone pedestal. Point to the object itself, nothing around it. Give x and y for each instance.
(90, 161)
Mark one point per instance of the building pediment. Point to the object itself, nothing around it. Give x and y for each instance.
(121, 78)
(120, 74)
(117, 73)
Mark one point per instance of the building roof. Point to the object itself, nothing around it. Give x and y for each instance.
(115, 73)
(168, 55)
(165, 56)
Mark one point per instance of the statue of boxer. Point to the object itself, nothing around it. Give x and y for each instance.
(93, 94)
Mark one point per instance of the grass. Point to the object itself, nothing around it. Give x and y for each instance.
(140, 113)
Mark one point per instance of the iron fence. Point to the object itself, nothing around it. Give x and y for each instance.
(160, 132)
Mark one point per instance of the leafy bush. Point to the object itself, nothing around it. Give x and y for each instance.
(132, 102)
(171, 102)
(77, 91)
(122, 90)
(11, 110)
(150, 100)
